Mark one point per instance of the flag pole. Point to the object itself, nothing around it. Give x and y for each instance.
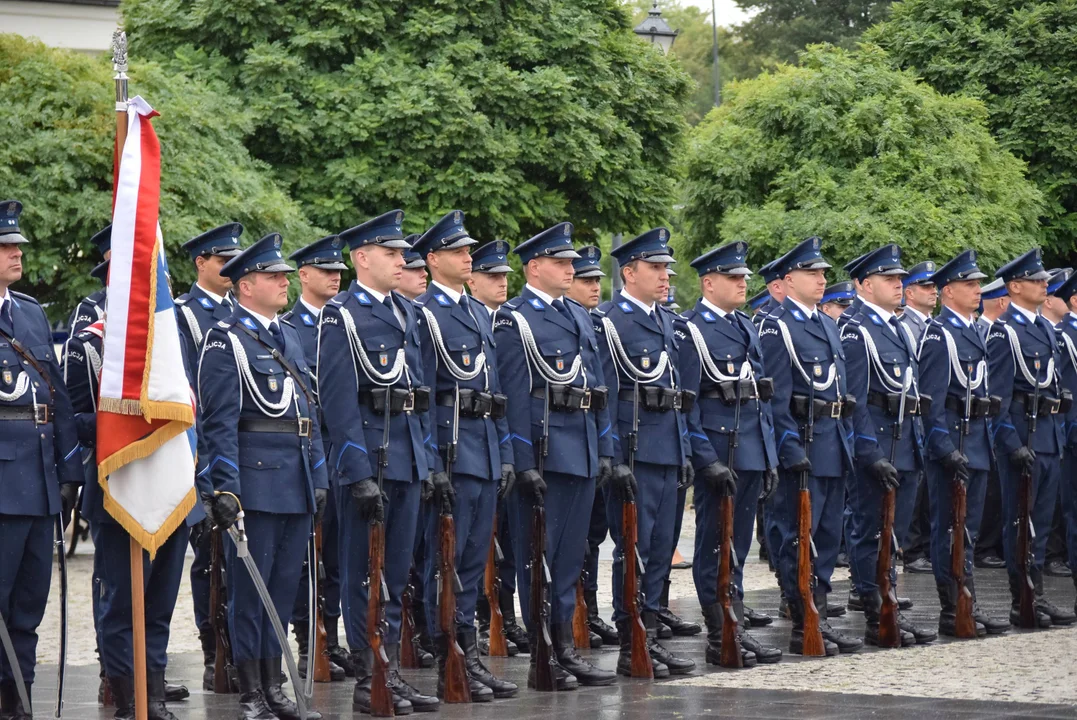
(138, 589)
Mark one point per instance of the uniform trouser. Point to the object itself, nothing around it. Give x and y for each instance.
(847, 526)
(772, 528)
(329, 587)
(990, 542)
(708, 509)
(827, 508)
(940, 494)
(596, 535)
(568, 502)
(1056, 539)
(1068, 493)
(1045, 474)
(277, 544)
(25, 576)
(401, 521)
(161, 578)
(203, 556)
(656, 508)
(473, 523)
(916, 543)
(505, 532)
(864, 522)
(418, 555)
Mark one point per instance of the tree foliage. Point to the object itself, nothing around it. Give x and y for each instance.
(784, 28)
(1020, 59)
(850, 149)
(520, 114)
(58, 119)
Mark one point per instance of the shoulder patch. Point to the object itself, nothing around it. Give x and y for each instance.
(1020, 319)
(537, 304)
(708, 316)
(363, 298)
(503, 322)
(876, 319)
(442, 300)
(206, 303)
(996, 334)
(307, 319)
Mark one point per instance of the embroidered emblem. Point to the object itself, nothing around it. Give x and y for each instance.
(876, 319)
(7, 376)
(797, 314)
(818, 370)
(1019, 318)
(955, 322)
(206, 303)
(249, 323)
(362, 298)
(897, 371)
(442, 300)
(383, 359)
(307, 319)
(272, 383)
(645, 363)
(625, 306)
(536, 303)
(466, 359)
(560, 363)
(729, 367)
(708, 316)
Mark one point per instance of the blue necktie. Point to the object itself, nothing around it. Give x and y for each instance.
(278, 336)
(7, 324)
(559, 306)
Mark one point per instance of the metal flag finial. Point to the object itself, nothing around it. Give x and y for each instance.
(119, 51)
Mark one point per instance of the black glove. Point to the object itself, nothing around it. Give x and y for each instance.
(605, 472)
(529, 481)
(426, 493)
(1022, 458)
(201, 531)
(957, 463)
(720, 477)
(623, 482)
(321, 496)
(770, 484)
(688, 474)
(508, 479)
(444, 492)
(367, 499)
(801, 465)
(225, 510)
(69, 496)
(885, 474)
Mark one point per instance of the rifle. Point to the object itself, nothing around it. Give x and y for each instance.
(381, 699)
(457, 689)
(499, 646)
(1027, 598)
(633, 565)
(730, 656)
(409, 638)
(223, 669)
(965, 624)
(542, 648)
(889, 632)
(813, 637)
(320, 651)
(581, 632)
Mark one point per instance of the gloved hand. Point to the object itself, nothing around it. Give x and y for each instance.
(508, 479)
(688, 474)
(201, 531)
(957, 463)
(801, 465)
(530, 482)
(885, 474)
(368, 500)
(69, 496)
(720, 477)
(444, 492)
(605, 472)
(225, 510)
(623, 482)
(426, 492)
(1022, 458)
(770, 484)
(321, 496)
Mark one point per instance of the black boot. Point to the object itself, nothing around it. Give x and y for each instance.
(277, 701)
(479, 673)
(175, 692)
(845, 643)
(763, 653)
(595, 622)
(479, 692)
(573, 662)
(363, 662)
(755, 618)
(948, 614)
(872, 605)
(209, 657)
(123, 695)
(921, 635)
(155, 697)
(426, 638)
(676, 665)
(252, 701)
(516, 634)
(563, 679)
(992, 625)
(714, 618)
(1058, 615)
(624, 659)
(11, 707)
(337, 655)
(482, 615)
(796, 637)
(1043, 620)
(668, 618)
(402, 690)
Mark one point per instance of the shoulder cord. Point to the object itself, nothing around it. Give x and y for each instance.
(192, 323)
(535, 357)
(269, 408)
(880, 371)
(620, 359)
(819, 387)
(1019, 361)
(980, 375)
(1070, 348)
(455, 370)
(707, 362)
(387, 379)
(21, 386)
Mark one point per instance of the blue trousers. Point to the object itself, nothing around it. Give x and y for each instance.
(330, 585)
(656, 509)
(1045, 478)
(25, 575)
(505, 533)
(597, 531)
(940, 499)
(1068, 495)
(568, 506)
(277, 544)
(161, 578)
(401, 521)
(473, 521)
(863, 522)
(705, 562)
(827, 508)
(200, 584)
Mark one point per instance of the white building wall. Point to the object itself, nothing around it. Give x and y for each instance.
(77, 26)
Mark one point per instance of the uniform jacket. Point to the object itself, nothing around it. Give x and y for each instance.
(1067, 328)
(848, 313)
(915, 324)
(89, 310)
(196, 313)
(306, 325)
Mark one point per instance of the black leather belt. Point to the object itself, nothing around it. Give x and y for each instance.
(39, 414)
(292, 426)
(891, 403)
(400, 400)
(1048, 405)
(981, 407)
(798, 406)
(567, 398)
(658, 399)
(727, 391)
(476, 403)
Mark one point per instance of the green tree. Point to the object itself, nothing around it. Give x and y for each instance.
(850, 149)
(520, 114)
(58, 119)
(1020, 59)
(784, 28)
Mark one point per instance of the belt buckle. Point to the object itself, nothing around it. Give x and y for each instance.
(1055, 404)
(835, 410)
(915, 409)
(41, 414)
(678, 400)
(304, 427)
(585, 403)
(409, 402)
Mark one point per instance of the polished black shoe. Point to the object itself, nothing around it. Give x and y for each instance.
(277, 701)
(796, 643)
(514, 632)
(1043, 620)
(992, 625)
(595, 622)
(676, 665)
(835, 609)
(624, 658)
(338, 655)
(990, 562)
(209, 658)
(948, 613)
(714, 618)
(845, 643)
(856, 605)
(1058, 616)
(479, 672)
(923, 635)
(586, 673)
(401, 690)
(479, 693)
(1057, 568)
(919, 566)
(756, 618)
(676, 624)
(563, 679)
(174, 692)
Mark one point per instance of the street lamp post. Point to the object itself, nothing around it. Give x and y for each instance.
(656, 30)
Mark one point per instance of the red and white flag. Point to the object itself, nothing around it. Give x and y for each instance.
(145, 416)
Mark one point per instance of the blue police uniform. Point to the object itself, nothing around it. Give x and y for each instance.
(260, 442)
(1023, 355)
(40, 452)
(919, 274)
(1066, 330)
(759, 304)
(799, 349)
(92, 307)
(841, 293)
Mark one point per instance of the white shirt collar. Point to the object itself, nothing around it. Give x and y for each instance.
(639, 303)
(380, 297)
(544, 297)
(924, 318)
(453, 294)
(219, 299)
(1027, 313)
(492, 308)
(713, 308)
(316, 312)
(959, 316)
(808, 312)
(266, 321)
(879, 311)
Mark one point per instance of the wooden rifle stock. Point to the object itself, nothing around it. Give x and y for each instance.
(499, 646)
(964, 622)
(889, 632)
(730, 656)
(1027, 597)
(641, 657)
(320, 652)
(456, 688)
(542, 648)
(222, 661)
(813, 637)
(409, 637)
(381, 699)
(581, 632)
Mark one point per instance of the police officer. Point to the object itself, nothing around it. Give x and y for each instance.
(993, 302)
(801, 346)
(459, 365)
(370, 372)
(208, 302)
(1023, 358)
(262, 451)
(413, 277)
(837, 298)
(756, 304)
(994, 299)
(92, 307)
(639, 358)
(40, 443)
(880, 354)
(1066, 329)
(854, 307)
(775, 289)
(722, 362)
(319, 266)
(559, 423)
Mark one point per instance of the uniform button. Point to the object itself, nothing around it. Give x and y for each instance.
(37, 384)
(259, 463)
(42, 436)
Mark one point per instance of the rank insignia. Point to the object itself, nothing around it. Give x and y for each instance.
(955, 322)
(818, 370)
(466, 358)
(560, 364)
(7, 376)
(307, 319)
(383, 359)
(249, 323)
(206, 303)
(1019, 319)
(272, 383)
(536, 303)
(362, 298)
(442, 300)
(645, 363)
(877, 320)
(708, 316)
(625, 307)
(798, 315)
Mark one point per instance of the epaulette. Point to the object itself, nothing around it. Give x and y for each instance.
(181, 300)
(225, 324)
(286, 315)
(24, 296)
(574, 302)
(598, 312)
(687, 315)
(513, 303)
(287, 322)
